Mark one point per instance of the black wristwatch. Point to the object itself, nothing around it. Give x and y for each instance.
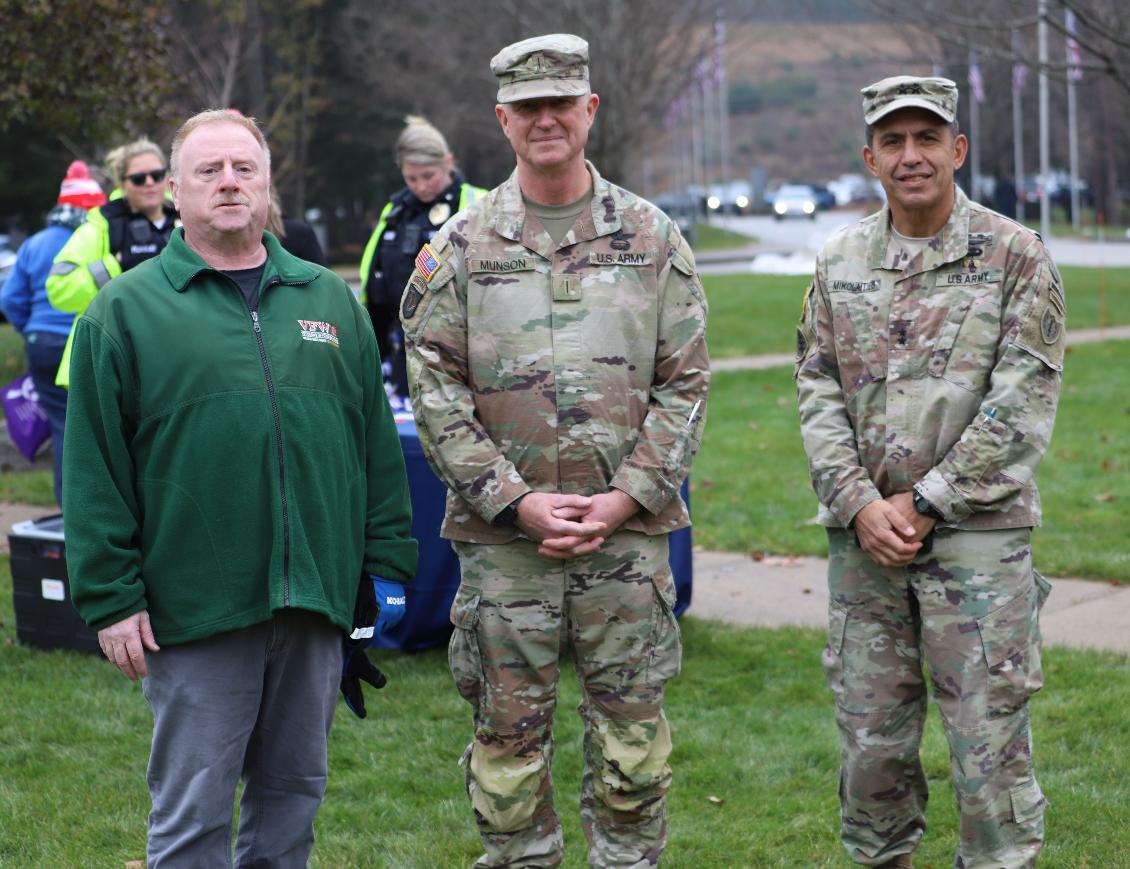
(925, 508)
(508, 515)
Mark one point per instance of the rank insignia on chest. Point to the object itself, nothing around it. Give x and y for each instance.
(427, 263)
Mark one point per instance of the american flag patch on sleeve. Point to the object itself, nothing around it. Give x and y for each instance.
(426, 262)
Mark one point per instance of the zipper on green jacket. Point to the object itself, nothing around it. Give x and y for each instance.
(278, 446)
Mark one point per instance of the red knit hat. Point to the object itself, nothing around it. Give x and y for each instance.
(79, 189)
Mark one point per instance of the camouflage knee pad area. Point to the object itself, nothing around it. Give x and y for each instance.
(515, 614)
(970, 608)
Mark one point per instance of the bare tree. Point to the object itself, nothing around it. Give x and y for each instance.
(642, 54)
(986, 26)
(261, 57)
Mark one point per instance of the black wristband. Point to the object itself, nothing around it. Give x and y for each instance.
(925, 508)
(508, 515)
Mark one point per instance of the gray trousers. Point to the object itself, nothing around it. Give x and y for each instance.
(254, 704)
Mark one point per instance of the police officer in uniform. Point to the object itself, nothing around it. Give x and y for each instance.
(929, 361)
(433, 191)
(132, 227)
(557, 360)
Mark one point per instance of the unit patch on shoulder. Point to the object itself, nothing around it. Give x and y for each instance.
(1050, 325)
(413, 295)
(804, 301)
(427, 262)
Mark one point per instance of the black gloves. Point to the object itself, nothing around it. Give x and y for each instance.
(357, 668)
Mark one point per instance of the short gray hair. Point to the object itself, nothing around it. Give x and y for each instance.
(215, 116)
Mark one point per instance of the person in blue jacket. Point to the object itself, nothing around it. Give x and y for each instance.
(25, 304)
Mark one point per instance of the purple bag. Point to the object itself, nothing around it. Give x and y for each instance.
(27, 423)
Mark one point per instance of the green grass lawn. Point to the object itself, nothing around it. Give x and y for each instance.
(755, 761)
(751, 492)
(753, 314)
(708, 237)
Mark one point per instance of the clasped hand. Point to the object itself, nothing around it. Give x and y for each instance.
(567, 526)
(891, 530)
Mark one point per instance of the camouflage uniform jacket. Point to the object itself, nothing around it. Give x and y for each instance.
(572, 368)
(940, 374)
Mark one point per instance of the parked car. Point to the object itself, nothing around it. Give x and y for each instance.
(825, 199)
(850, 188)
(1059, 189)
(794, 200)
(735, 197)
(682, 206)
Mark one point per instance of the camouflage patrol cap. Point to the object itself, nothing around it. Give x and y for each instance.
(544, 66)
(938, 95)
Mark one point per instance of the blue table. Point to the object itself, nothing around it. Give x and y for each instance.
(425, 623)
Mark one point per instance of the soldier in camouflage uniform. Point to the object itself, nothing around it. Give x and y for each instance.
(558, 369)
(929, 357)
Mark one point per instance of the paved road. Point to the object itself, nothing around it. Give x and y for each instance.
(790, 246)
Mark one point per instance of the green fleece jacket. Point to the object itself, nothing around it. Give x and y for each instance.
(220, 463)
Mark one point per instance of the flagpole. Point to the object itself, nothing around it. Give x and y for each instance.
(974, 123)
(1017, 130)
(723, 97)
(1073, 73)
(695, 119)
(1045, 169)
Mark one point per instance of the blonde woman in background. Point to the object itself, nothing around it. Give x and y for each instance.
(132, 227)
(433, 191)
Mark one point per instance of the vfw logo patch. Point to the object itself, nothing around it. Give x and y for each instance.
(322, 333)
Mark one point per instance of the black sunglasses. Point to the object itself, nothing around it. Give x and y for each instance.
(138, 178)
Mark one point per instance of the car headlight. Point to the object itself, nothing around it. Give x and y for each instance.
(780, 207)
(713, 202)
(808, 207)
(742, 202)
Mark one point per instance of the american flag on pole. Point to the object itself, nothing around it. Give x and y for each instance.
(719, 58)
(426, 262)
(976, 83)
(1019, 69)
(1074, 52)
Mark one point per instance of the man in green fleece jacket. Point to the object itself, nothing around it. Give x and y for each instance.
(232, 472)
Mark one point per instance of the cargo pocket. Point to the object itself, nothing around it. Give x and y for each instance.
(463, 653)
(1010, 638)
(832, 658)
(665, 652)
(1043, 589)
(1027, 802)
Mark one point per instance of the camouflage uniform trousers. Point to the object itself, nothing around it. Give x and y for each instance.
(970, 607)
(515, 614)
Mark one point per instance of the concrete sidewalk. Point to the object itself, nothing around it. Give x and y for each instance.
(779, 591)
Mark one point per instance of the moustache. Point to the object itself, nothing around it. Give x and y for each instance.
(231, 200)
